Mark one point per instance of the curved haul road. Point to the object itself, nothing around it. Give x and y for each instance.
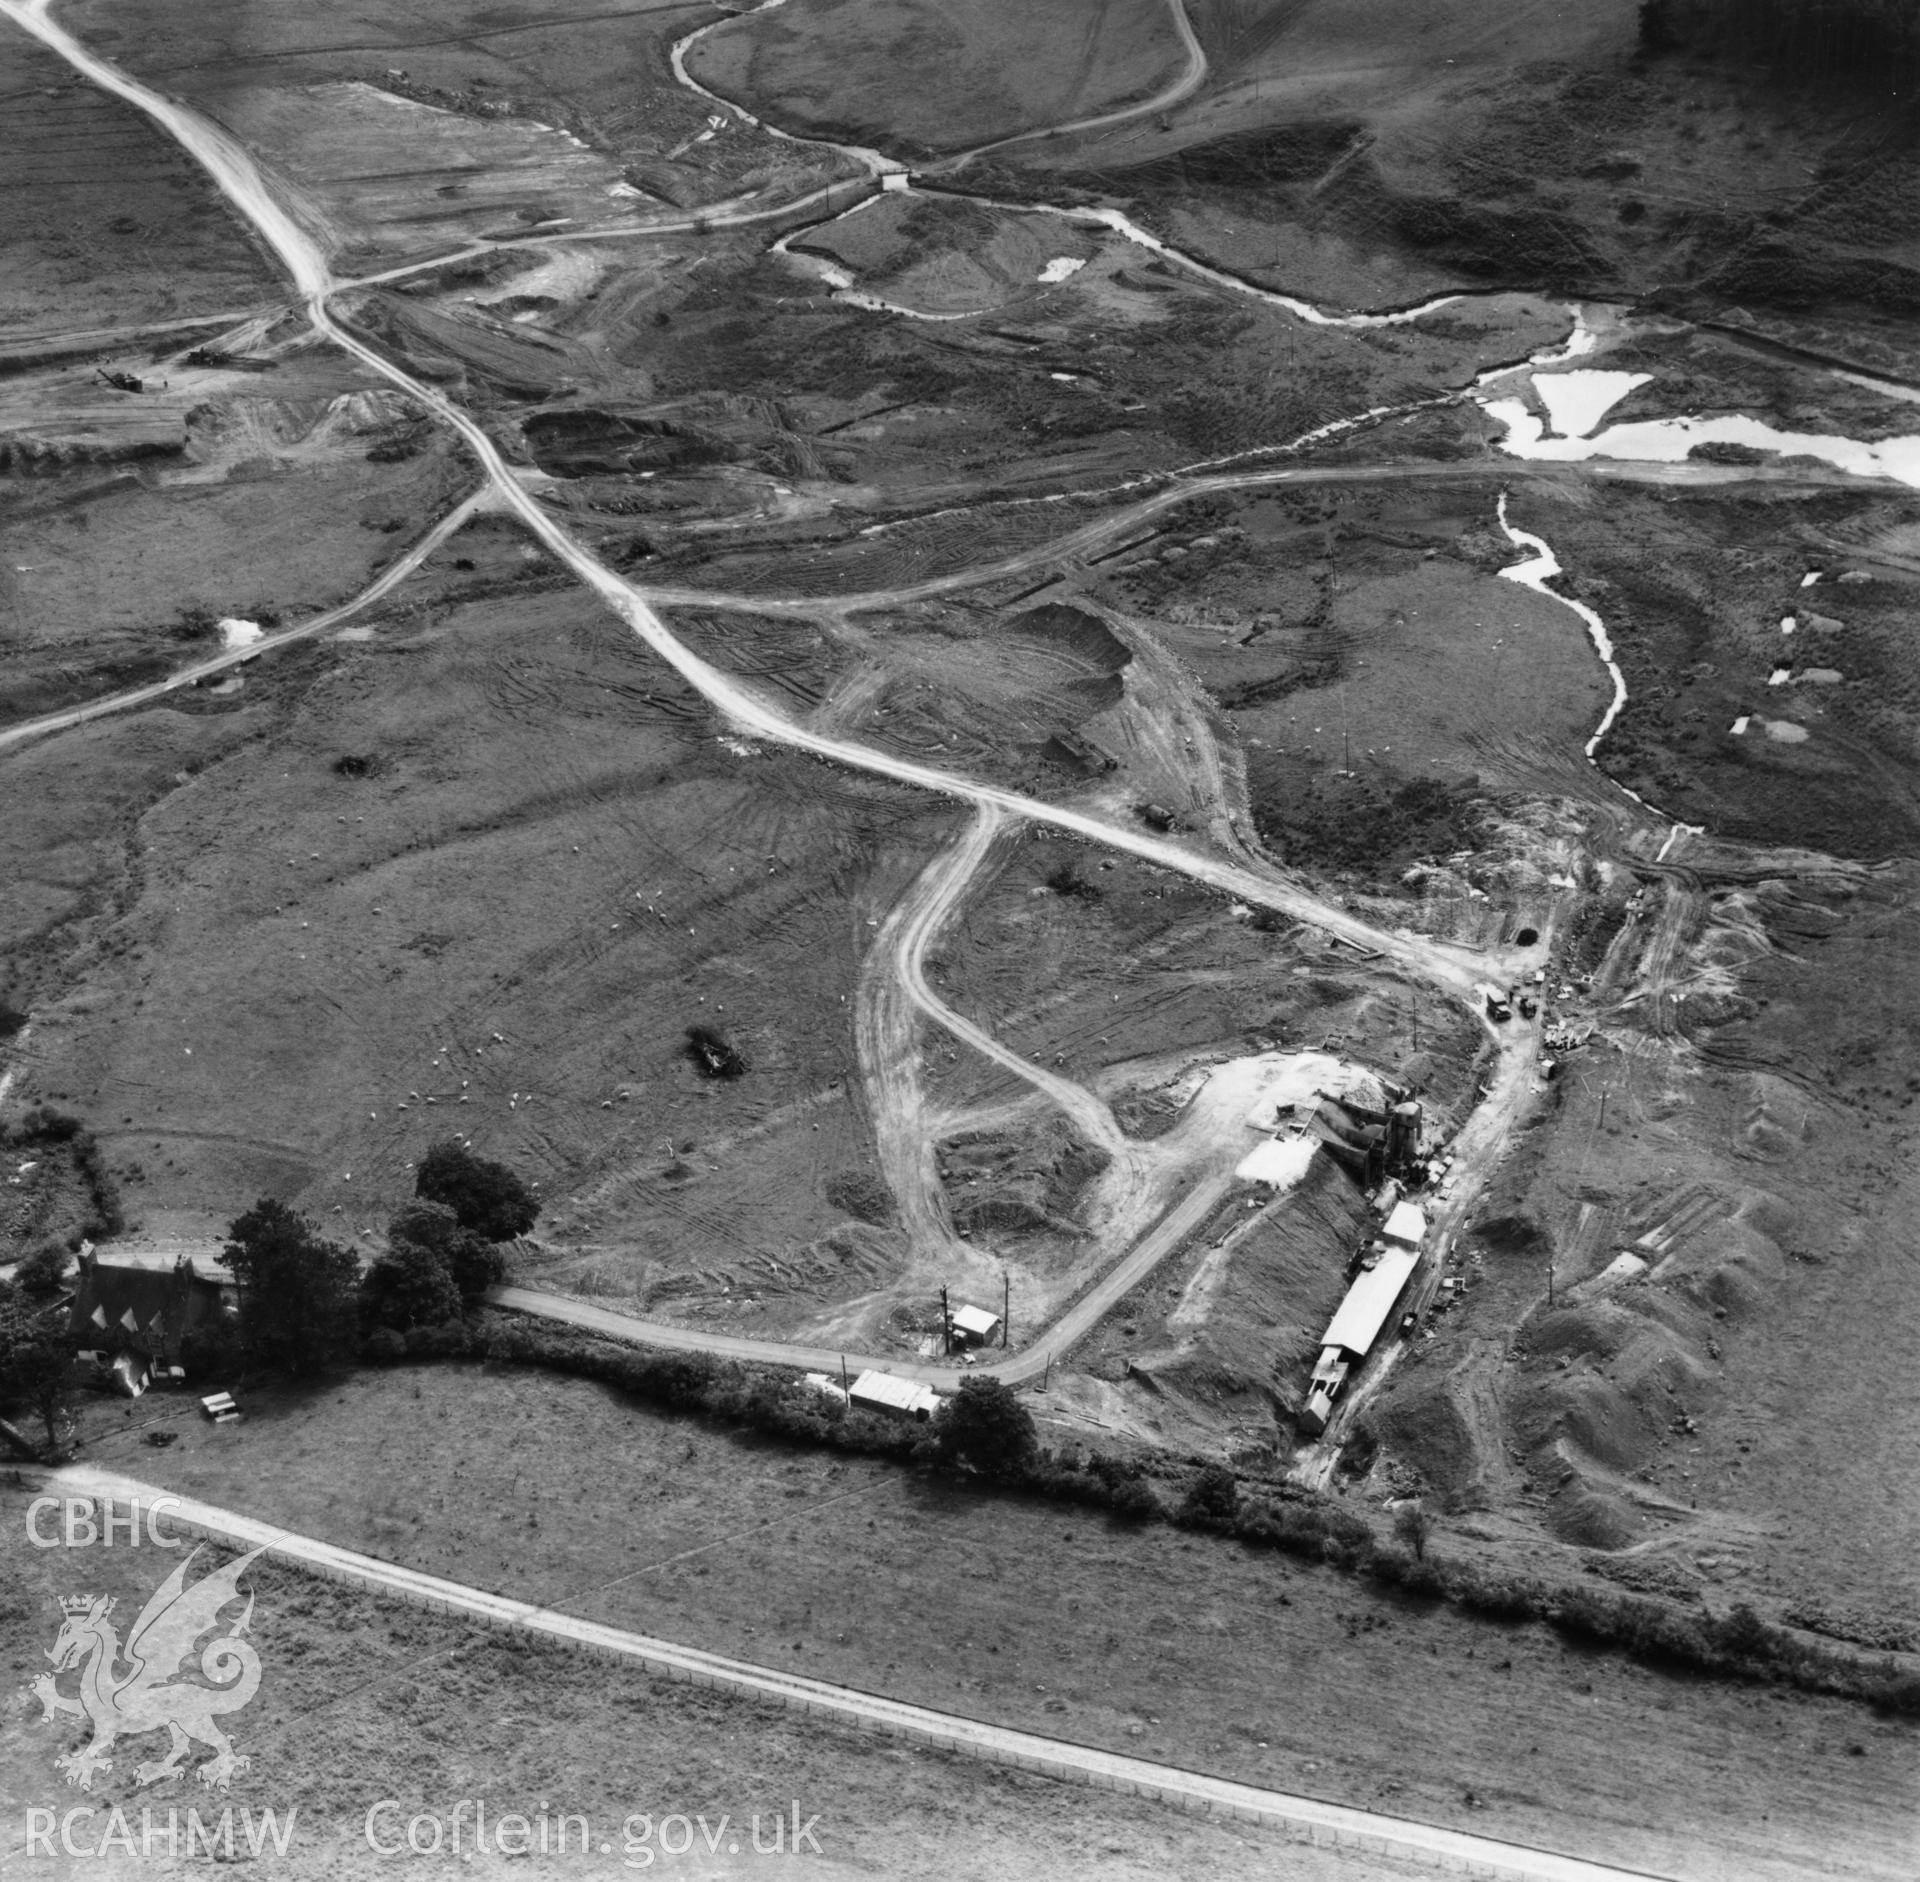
(240, 179)
(1020, 1368)
(1303, 1818)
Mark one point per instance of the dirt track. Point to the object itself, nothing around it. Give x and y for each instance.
(1449, 968)
(1301, 1817)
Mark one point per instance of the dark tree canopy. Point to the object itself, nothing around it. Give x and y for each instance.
(1212, 1497)
(486, 1196)
(985, 1426)
(433, 1270)
(297, 1291)
(36, 1359)
(407, 1287)
(43, 1272)
(473, 1263)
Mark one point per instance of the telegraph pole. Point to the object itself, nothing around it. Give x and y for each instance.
(946, 1324)
(1006, 1307)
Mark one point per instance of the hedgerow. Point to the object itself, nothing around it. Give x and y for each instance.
(1284, 1518)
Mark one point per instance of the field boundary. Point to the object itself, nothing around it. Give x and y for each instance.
(1302, 1819)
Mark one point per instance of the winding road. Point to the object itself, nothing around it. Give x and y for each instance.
(1452, 969)
(240, 179)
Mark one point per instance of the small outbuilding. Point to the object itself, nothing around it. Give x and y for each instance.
(894, 1397)
(975, 1326)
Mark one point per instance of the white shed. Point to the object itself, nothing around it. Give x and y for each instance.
(1407, 1225)
(975, 1326)
(893, 1397)
(1369, 1301)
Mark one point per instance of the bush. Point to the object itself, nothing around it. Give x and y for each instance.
(36, 1365)
(451, 1339)
(862, 1195)
(1496, 1596)
(1744, 1634)
(1584, 1615)
(213, 1349)
(985, 1427)
(43, 1124)
(1211, 1499)
(435, 1236)
(1414, 1527)
(1133, 1501)
(383, 1347)
(408, 1287)
(43, 1272)
(1893, 1690)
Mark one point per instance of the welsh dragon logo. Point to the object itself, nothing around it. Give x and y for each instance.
(148, 1685)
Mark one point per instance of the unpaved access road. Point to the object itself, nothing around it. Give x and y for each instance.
(383, 584)
(1192, 75)
(241, 180)
(1453, 969)
(1302, 1818)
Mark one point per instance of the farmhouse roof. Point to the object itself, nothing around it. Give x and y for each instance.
(144, 1310)
(974, 1320)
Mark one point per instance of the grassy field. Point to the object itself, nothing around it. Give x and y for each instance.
(546, 871)
(940, 78)
(272, 513)
(1167, 1645)
(1694, 593)
(600, 74)
(104, 222)
(363, 1700)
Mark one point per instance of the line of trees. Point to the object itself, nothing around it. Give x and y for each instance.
(1873, 40)
(304, 1305)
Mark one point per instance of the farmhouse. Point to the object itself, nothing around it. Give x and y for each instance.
(140, 1311)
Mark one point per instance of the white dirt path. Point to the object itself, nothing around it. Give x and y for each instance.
(1302, 1818)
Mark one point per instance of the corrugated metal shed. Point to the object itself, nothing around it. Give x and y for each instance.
(1369, 1301)
(975, 1324)
(903, 1398)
